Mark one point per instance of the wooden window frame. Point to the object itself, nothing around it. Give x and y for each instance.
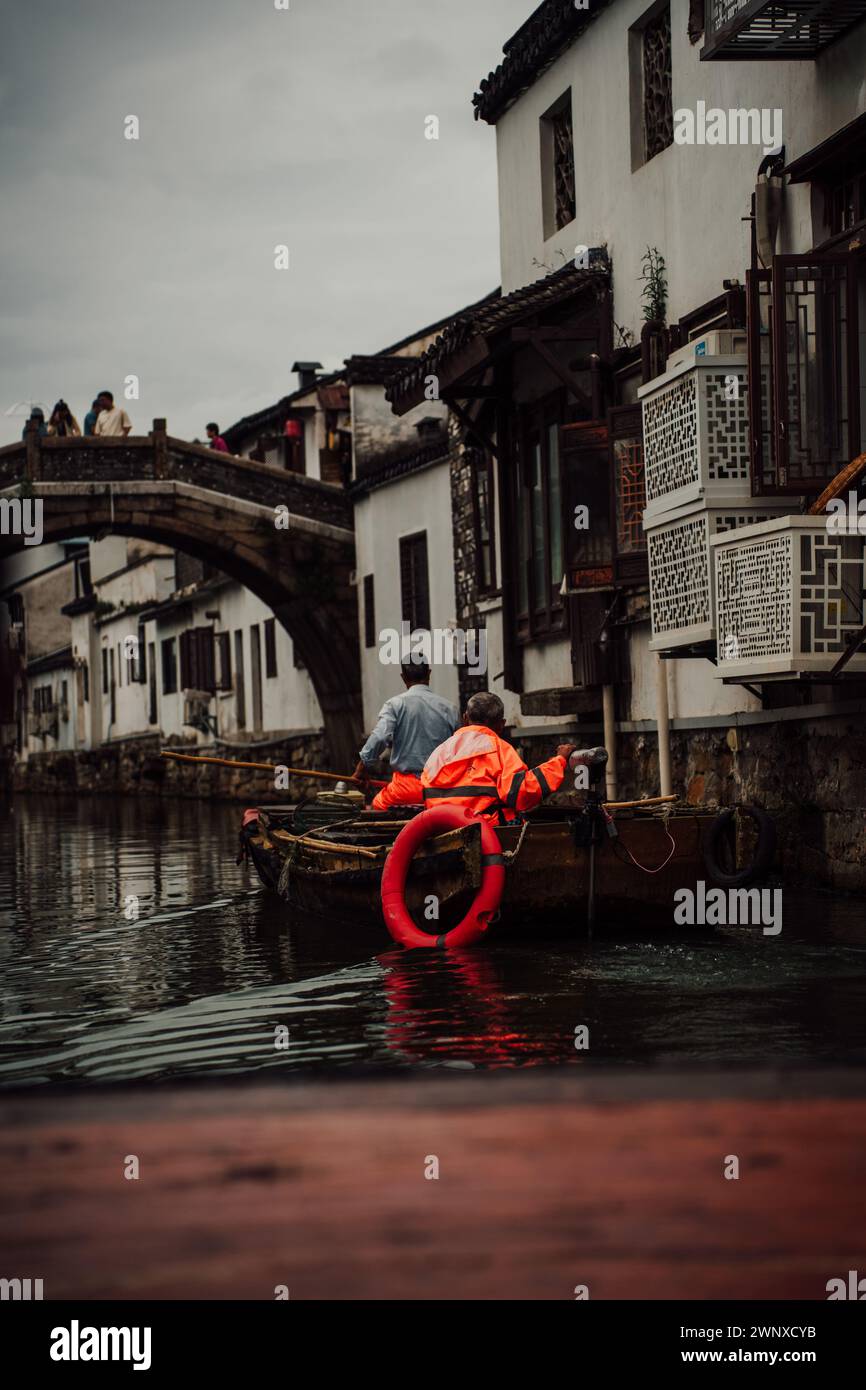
(549, 618)
(168, 665)
(482, 465)
(223, 658)
(773, 476)
(416, 611)
(630, 566)
(270, 644)
(369, 589)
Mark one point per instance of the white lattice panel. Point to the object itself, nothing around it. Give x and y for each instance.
(696, 434)
(790, 596)
(682, 596)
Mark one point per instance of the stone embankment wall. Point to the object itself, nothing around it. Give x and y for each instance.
(135, 767)
(809, 775)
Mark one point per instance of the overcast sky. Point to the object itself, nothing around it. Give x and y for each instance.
(258, 127)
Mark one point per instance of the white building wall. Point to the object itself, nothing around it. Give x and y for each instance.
(688, 199)
(687, 202)
(418, 502)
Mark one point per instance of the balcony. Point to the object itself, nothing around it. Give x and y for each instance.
(767, 29)
(790, 599)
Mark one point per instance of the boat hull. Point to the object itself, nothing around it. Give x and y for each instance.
(547, 883)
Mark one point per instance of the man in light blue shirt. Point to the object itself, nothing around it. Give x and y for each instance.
(412, 725)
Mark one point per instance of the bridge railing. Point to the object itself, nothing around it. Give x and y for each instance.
(158, 457)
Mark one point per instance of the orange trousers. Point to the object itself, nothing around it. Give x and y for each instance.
(404, 789)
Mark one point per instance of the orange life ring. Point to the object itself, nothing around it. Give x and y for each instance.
(488, 898)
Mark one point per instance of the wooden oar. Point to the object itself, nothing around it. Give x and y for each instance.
(268, 767)
(647, 801)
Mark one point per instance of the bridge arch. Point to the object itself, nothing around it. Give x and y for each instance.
(222, 510)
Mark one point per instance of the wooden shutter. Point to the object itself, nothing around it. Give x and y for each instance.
(224, 660)
(187, 661)
(369, 611)
(586, 463)
(270, 647)
(205, 669)
(414, 581)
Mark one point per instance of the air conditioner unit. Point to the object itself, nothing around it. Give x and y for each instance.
(719, 342)
(196, 704)
(43, 724)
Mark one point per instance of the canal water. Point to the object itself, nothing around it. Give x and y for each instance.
(132, 947)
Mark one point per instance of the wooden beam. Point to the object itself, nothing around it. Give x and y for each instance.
(565, 376)
(466, 419)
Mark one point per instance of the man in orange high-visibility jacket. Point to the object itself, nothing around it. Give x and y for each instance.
(477, 769)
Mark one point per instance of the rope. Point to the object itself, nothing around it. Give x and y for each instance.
(664, 816)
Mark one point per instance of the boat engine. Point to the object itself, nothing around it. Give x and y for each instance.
(594, 760)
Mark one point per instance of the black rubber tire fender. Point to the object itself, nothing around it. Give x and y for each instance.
(765, 849)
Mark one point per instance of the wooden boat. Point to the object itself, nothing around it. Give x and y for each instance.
(335, 869)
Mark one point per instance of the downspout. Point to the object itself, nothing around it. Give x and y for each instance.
(607, 696)
(608, 703)
(663, 727)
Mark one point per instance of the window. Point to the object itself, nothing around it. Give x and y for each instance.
(224, 660)
(270, 648)
(414, 581)
(43, 700)
(557, 166)
(482, 499)
(539, 519)
(151, 685)
(105, 670)
(142, 656)
(658, 110)
(256, 674)
(369, 611)
(169, 666)
(197, 659)
(846, 203)
(240, 687)
(83, 586)
(586, 458)
(628, 481)
(803, 371)
(85, 683)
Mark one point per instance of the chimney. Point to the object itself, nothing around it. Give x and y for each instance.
(306, 373)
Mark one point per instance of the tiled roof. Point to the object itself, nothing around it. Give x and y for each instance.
(373, 370)
(436, 452)
(497, 314)
(536, 45)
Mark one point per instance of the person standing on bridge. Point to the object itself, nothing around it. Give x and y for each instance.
(91, 418)
(413, 724)
(112, 420)
(63, 423)
(37, 421)
(216, 440)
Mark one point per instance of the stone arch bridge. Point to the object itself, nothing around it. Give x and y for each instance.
(220, 509)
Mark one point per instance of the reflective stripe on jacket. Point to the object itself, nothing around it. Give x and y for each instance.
(477, 769)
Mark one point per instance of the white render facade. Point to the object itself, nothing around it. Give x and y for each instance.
(689, 201)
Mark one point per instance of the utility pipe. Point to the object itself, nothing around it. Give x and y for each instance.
(609, 737)
(663, 726)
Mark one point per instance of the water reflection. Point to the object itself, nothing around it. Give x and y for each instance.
(214, 965)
